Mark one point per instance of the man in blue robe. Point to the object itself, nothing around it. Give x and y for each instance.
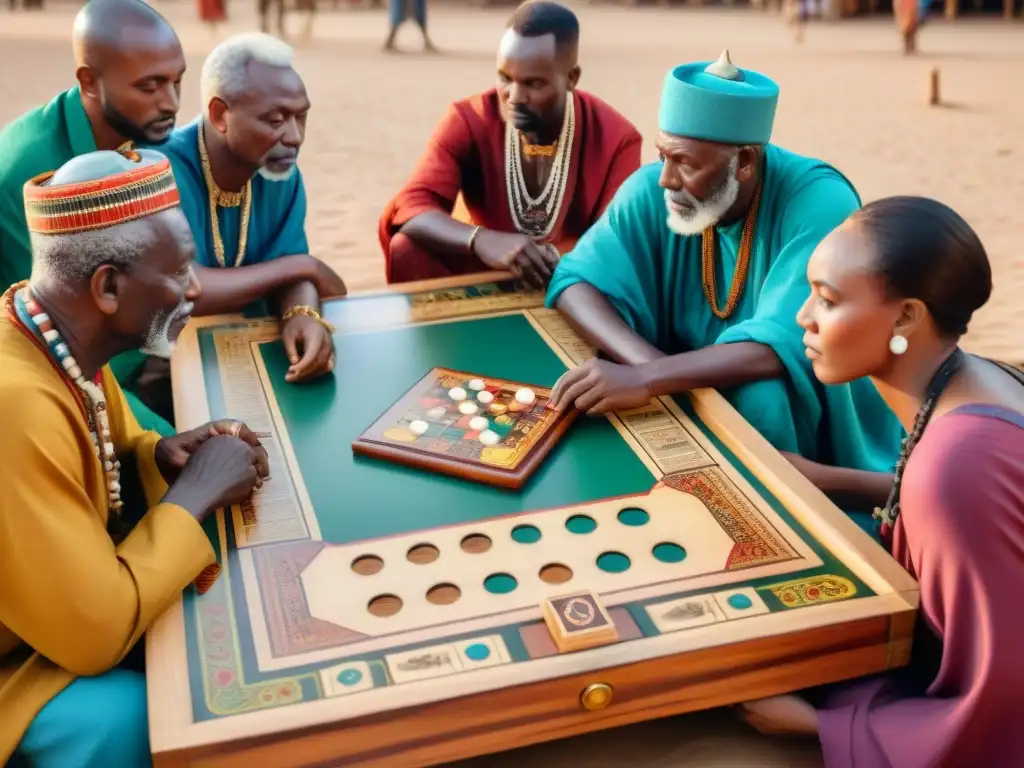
(695, 273)
(242, 192)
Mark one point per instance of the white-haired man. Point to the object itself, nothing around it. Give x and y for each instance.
(695, 273)
(99, 520)
(243, 195)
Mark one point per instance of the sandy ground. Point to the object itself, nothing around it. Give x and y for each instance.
(847, 96)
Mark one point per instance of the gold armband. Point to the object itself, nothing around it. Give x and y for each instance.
(308, 311)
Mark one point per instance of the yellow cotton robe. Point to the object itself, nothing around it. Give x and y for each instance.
(72, 602)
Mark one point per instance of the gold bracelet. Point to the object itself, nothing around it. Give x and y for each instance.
(472, 239)
(308, 311)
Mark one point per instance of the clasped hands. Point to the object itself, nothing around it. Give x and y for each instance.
(600, 386)
(173, 453)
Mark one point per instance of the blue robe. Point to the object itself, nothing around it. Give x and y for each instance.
(277, 221)
(652, 277)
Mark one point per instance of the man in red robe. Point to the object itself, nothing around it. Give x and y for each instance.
(514, 176)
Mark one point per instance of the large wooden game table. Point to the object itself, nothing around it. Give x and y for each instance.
(766, 586)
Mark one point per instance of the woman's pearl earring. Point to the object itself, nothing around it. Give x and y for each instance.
(898, 344)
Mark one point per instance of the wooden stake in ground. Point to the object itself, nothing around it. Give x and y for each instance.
(934, 96)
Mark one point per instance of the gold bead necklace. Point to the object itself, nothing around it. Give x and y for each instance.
(739, 276)
(219, 197)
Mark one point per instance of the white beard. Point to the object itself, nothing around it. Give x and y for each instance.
(158, 340)
(707, 212)
(270, 175)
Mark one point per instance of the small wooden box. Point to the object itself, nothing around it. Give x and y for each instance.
(578, 620)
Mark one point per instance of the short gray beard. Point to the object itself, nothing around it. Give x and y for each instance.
(707, 212)
(270, 175)
(158, 340)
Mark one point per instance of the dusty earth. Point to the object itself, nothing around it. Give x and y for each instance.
(848, 96)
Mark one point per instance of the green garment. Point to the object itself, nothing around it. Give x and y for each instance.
(652, 277)
(39, 141)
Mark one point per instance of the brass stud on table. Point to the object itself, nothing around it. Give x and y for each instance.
(596, 696)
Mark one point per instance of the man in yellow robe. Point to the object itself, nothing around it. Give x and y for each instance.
(82, 573)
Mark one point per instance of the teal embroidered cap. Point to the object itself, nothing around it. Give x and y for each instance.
(717, 101)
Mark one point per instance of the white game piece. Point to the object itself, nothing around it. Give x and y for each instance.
(525, 396)
(467, 408)
(478, 423)
(485, 397)
(457, 393)
(489, 437)
(438, 412)
(418, 427)
(476, 384)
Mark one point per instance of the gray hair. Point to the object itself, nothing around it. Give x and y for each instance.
(62, 261)
(224, 71)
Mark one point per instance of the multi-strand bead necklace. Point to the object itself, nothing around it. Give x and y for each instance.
(536, 216)
(32, 316)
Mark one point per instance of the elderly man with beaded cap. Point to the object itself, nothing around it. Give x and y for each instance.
(695, 273)
(99, 520)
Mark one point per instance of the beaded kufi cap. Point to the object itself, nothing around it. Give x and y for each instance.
(100, 189)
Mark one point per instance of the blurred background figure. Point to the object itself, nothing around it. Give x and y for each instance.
(402, 10)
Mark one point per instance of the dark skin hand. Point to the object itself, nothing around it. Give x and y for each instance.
(504, 251)
(173, 453)
(599, 386)
(308, 344)
(222, 471)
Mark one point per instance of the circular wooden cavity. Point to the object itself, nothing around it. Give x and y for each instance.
(555, 573)
(526, 534)
(634, 516)
(421, 554)
(385, 605)
(476, 543)
(367, 565)
(667, 552)
(613, 562)
(443, 594)
(581, 524)
(500, 583)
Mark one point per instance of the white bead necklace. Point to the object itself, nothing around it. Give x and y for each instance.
(520, 202)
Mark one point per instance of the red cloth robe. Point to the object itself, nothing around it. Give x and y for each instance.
(462, 173)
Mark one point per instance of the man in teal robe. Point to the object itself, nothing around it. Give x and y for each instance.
(129, 65)
(242, 193)
(694, 276)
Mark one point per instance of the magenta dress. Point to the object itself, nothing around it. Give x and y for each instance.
(960, 703)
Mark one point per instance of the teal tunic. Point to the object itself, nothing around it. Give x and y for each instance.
(42, 140)
(277, 219)
(652, 277)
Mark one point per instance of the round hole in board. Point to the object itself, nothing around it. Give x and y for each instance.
(385, 605)
(613, 562)
(500, 583)
(476, 543)
(443, 594)
(634, 516)
(526, 534)
(581, 524)
(555, 573)
(367, 565)
(667, 552)
(421, 554)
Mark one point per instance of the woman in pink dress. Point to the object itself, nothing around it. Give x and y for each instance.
(893, 290)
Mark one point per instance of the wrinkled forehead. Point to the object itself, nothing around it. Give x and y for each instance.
(268, 86)
(541, 50)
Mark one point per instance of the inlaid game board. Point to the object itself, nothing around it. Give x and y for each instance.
(368, 613)
(475, 427)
